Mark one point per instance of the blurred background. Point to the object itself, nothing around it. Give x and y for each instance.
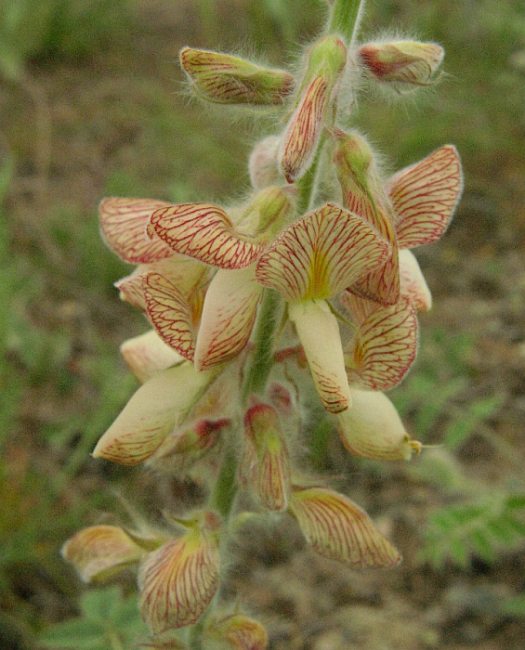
(91, 104)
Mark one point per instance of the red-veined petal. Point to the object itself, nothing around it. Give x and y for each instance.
(318, 331)
(123, 223)
(99, 552)
(178, 581)
(147, 354)
(156, 408)
(382, 285)
(384, 347)
(304, 129)
(321, 254)
(228, 314)
(339, 529)
(425, 196)
(372, 428)
(204, 232)
(169, 313)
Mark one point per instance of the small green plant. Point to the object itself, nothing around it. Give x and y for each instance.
(107, 621)
(305, 290)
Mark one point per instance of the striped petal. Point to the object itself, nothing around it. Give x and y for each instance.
(425, 196)
(339, 529)
(204, 232)
(239, 632)
(321, 254)
(413, 283)
(147, 354)
(169, 313)
(99, 552)
(303, 130)
(228, 314)
(156, 408)
(384, 347)
(123, 224)
(178, 581)
(372, 428)
(270, 474)
(318, 331)
(184, 273)
(382, 285)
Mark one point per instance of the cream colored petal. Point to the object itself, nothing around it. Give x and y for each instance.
(318, 331)
(156, 408)
(413, 284)
(372, 428)
(147, 354)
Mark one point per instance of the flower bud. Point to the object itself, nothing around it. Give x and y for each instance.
(262, 165)
(227, 79)
(403, 62)
(325, 64)
(98, 552)
(373, 429)
(238, 632)
(268, 455)
(178, 581)
(265, 214)
(168, 640)
(185, 447)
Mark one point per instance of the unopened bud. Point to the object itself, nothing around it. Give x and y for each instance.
(270, 475)
(262, 165)
(164, 641)
(325, 64)
(178, 581)
(281, 398)
(373, 429)
(267, 212)
(227, 79)
(99, 552)
(238, 632)
(403, 62)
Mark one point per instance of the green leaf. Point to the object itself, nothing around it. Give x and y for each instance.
(100, 605)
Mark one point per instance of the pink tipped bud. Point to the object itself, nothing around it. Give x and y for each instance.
(262, 165)
(239, 632)
(326, 62)
(410, 63)
(178, 581)
(267, 455)
(99, 552)
(227, 79)
(339, 529)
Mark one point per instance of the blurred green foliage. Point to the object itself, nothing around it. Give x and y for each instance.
(57, 29)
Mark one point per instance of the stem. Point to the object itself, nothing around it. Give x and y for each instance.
(262, 355)
(345, 17)
(225, 488)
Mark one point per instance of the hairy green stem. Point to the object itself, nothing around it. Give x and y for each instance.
(344, 18)
(261, 361)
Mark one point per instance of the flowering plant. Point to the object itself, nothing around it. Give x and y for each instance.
(310, 280)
